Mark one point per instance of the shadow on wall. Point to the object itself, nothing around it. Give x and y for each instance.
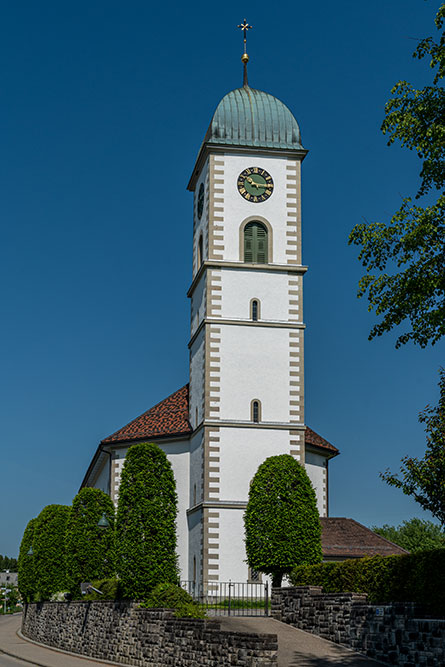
(302, 659)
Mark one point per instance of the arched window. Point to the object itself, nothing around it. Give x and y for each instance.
(200, 252)
(255, 310)
(255, 411)
(255, 243)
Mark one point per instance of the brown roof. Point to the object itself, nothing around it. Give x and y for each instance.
(312, 438)
(169, 417)
(345, 538)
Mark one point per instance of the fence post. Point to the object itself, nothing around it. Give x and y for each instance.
(266, 599)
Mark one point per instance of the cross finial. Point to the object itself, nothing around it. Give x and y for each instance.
(245, 58)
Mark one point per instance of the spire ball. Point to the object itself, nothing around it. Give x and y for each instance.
(245, 58)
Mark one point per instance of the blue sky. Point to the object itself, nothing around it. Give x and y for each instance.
(104, 107)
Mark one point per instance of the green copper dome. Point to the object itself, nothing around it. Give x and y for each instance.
(248, 117)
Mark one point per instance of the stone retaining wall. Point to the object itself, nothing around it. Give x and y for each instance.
(121, 632)
(390, 633)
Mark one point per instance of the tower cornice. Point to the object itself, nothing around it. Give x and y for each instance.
(298, 269)
(218, 149)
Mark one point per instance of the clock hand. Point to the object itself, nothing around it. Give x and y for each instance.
(257, 185)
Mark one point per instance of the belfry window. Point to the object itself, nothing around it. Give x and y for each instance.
(255, 310)
(255, 411)
(255, 243)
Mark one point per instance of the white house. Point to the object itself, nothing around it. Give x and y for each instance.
(245, 397)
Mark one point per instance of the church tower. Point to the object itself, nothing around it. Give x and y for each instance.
(245, 398)
(247, 329)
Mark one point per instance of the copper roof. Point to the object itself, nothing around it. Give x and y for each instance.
(346, 538)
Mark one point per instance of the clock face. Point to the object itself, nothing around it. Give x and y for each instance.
(255, 184)
(200, 200)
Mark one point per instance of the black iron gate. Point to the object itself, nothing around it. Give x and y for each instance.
(230, 598)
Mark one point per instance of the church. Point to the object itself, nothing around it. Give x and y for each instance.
(244, 400)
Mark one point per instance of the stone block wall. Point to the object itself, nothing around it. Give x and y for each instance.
(122, 632)
(390, 633)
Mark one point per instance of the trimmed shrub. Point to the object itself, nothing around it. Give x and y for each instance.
(26, 575)
(110, 588)
(172, 596)
(281, 521)
(89, 548)
(411, 578)
(146, 522)
(49, 550)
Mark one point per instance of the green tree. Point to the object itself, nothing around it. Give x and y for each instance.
(26, 561)
(49, 550)
(7, 563)
(424, 479)
(281, 523)
(404, 259)
(414, 535)
(146, 522)
(89, 547)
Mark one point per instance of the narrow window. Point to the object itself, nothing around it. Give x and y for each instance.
(254, 307)
(200, 253)
(255, 243)
(196, 417)
(194, 494)
(255, 411)
(194, 568)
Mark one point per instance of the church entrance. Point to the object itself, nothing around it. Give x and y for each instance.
(230, 598)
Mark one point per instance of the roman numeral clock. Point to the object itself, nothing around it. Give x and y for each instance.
(255, 184)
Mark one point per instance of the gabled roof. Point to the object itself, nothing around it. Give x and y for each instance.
(343, 538)
(167, 418)
(312, 438)
(170, 417)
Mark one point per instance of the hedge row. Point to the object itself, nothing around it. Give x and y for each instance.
(64, 545)
(410, 578)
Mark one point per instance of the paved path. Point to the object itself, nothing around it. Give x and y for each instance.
(26, 653)
(297, 648)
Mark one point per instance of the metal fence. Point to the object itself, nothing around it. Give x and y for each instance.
(230, 598)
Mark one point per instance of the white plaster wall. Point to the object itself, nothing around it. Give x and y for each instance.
(201, 226)
(103, 478)
(232, 551)
(198, 304)
(196, 466)
(316, 468)
(197, 352)
(254, 364)
(242, 450)
(195, 544)
(178, 453)
(240, 287)
(274, 209)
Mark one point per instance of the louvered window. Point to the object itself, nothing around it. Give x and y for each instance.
(255, 412)
(255, 310)
(255, 243)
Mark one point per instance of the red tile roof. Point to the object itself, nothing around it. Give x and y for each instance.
(171, 417)
(343, 538)
(312, 438)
